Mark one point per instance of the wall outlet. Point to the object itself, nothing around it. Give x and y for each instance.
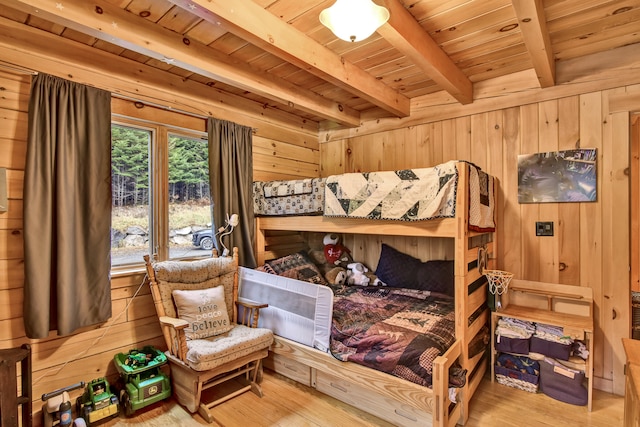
(544, 228)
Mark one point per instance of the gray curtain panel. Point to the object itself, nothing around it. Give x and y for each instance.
(231, 178)
(67, 207)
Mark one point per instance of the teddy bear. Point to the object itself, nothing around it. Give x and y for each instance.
(336, 276)
(334, 252)
(333, 274)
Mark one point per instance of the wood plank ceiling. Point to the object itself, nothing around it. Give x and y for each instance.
(275, 53)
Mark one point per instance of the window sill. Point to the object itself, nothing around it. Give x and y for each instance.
(127, 271)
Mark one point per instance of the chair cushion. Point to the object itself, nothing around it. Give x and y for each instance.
(204, 309)
(206, 354)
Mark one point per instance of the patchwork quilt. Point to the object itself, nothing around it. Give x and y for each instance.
(403, 195)
(394, 330)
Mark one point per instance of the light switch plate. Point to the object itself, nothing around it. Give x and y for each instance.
(544, 228)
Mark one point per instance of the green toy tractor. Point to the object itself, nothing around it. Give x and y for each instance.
(97, 402)
(142, 381)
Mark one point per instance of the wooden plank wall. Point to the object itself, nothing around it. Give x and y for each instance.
(635, 206)
(591, 239)
(62, 361)
(590, 246)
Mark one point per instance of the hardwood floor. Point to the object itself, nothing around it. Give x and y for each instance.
(288, 404)
(498, 405)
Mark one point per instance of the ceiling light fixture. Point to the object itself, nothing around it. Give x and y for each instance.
(354, 20)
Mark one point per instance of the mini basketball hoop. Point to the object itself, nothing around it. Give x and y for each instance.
(498, 284)
(498, 281)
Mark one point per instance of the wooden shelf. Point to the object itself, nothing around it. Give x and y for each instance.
(568, 321)
(574, 314)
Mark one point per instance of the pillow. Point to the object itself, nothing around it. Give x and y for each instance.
(296, 266)
(205, 310)
(397, 269)
(400, 270)
(437, 276)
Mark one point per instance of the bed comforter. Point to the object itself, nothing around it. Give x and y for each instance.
(397, 331)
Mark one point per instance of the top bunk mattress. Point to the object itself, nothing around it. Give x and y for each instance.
(401, 195)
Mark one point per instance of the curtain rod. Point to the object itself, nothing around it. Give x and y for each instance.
(13, 67)
(161, 106)
(165, 107)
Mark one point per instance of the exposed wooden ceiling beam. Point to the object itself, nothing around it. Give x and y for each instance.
(127, 30)
(41, 51)
(406, 35)
(533, 26)
(260, 27)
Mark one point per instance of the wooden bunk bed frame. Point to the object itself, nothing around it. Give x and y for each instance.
(394, 399)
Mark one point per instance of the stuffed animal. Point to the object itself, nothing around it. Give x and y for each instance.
(333, 274)
(356, 274)
(336, 276)
(373, 279)
(335, 252)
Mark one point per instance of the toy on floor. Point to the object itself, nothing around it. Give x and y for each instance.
(97, 402)
(142, 382)
(56, 409)
(137, 359)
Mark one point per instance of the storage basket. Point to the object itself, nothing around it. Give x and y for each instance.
(518, 372)
(512, 345)
(552, 349)
(562, 383)
(517, 379)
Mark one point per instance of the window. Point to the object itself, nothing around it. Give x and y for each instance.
(190, 226)
(160, 193)
(130, 185)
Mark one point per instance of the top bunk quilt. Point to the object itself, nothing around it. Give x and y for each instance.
(402, 195)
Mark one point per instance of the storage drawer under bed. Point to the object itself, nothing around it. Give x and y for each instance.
(289, 368)
(362, 397)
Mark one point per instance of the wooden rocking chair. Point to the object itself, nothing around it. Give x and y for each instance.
(199, 362)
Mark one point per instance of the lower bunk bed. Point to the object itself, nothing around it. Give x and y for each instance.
(301, 314)
(397, 401)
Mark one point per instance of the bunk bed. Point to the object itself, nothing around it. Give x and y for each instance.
(396, 400)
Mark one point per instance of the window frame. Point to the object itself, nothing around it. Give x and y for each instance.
(158, 176)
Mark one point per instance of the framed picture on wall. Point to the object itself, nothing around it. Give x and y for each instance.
(557, 176)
